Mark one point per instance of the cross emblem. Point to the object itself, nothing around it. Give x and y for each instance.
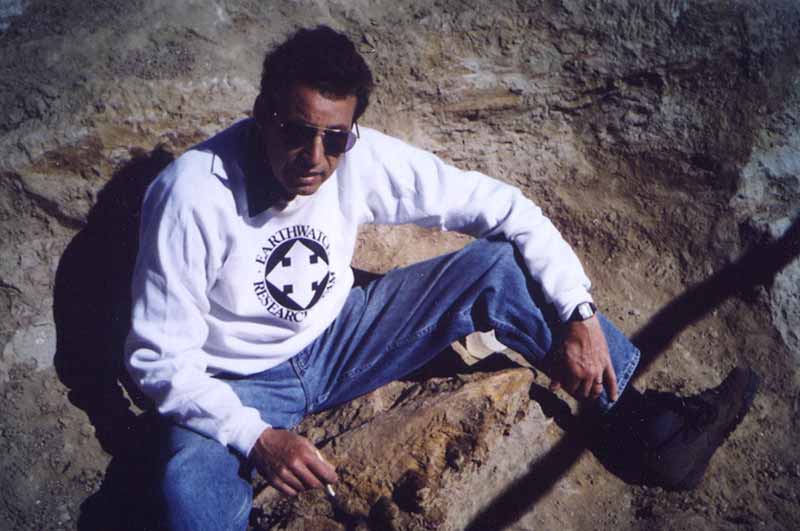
(300, 274)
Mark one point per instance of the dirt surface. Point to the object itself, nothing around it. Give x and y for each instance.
(660, 137)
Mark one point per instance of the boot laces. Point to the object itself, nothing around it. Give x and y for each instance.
(695, 413)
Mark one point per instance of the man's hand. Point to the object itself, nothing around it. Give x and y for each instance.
(584, 366)
(290, 463)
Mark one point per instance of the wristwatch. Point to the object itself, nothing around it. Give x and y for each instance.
(582, 312)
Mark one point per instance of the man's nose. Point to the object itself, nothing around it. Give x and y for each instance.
(315, 150)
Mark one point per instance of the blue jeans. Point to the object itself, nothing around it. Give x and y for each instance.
(385, 331)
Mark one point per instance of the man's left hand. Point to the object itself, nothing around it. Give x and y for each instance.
(584, 368)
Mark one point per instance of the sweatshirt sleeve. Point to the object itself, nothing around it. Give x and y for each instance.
(164, 349)
(410, 185)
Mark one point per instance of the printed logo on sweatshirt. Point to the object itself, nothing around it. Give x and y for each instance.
(294, 272)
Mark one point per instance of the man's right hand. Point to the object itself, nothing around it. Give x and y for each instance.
(290, 463)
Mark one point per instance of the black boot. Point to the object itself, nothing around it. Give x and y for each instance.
(661, 439)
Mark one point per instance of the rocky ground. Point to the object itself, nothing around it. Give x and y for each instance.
(660, 136)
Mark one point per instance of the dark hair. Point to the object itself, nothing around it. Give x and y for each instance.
(321, 58)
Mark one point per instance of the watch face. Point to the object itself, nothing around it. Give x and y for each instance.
(583, 311)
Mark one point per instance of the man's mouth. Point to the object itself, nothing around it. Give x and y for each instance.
(303, 178)
(306, 178)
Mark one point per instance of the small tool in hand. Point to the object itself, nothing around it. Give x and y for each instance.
(328, 486)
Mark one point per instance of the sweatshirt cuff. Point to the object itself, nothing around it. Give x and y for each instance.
(247, 436)
(567, 302)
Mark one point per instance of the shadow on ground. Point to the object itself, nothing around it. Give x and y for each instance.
(756, 267)
(92, 315)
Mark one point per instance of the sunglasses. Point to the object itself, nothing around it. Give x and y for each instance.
(298, 134)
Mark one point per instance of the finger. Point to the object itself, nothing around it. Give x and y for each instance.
(325, 471)
(287, 476)
(281, 486)
(597, 390)
(610, 379)
(572, 387)
(307, 477)
(586, 386)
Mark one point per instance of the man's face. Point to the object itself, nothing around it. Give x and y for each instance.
(302, 166)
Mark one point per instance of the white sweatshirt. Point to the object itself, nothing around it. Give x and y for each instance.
(221, 285)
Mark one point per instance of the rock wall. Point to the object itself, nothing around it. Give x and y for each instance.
(585, 105)
(660, 136)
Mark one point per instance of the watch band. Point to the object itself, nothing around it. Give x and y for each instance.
(583, 311)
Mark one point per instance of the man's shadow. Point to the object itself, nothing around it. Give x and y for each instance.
(92, 316)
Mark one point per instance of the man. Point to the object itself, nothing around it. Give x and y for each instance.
(245, 316)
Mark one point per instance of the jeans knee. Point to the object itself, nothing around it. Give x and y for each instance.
(202, 488)
(492, 252)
